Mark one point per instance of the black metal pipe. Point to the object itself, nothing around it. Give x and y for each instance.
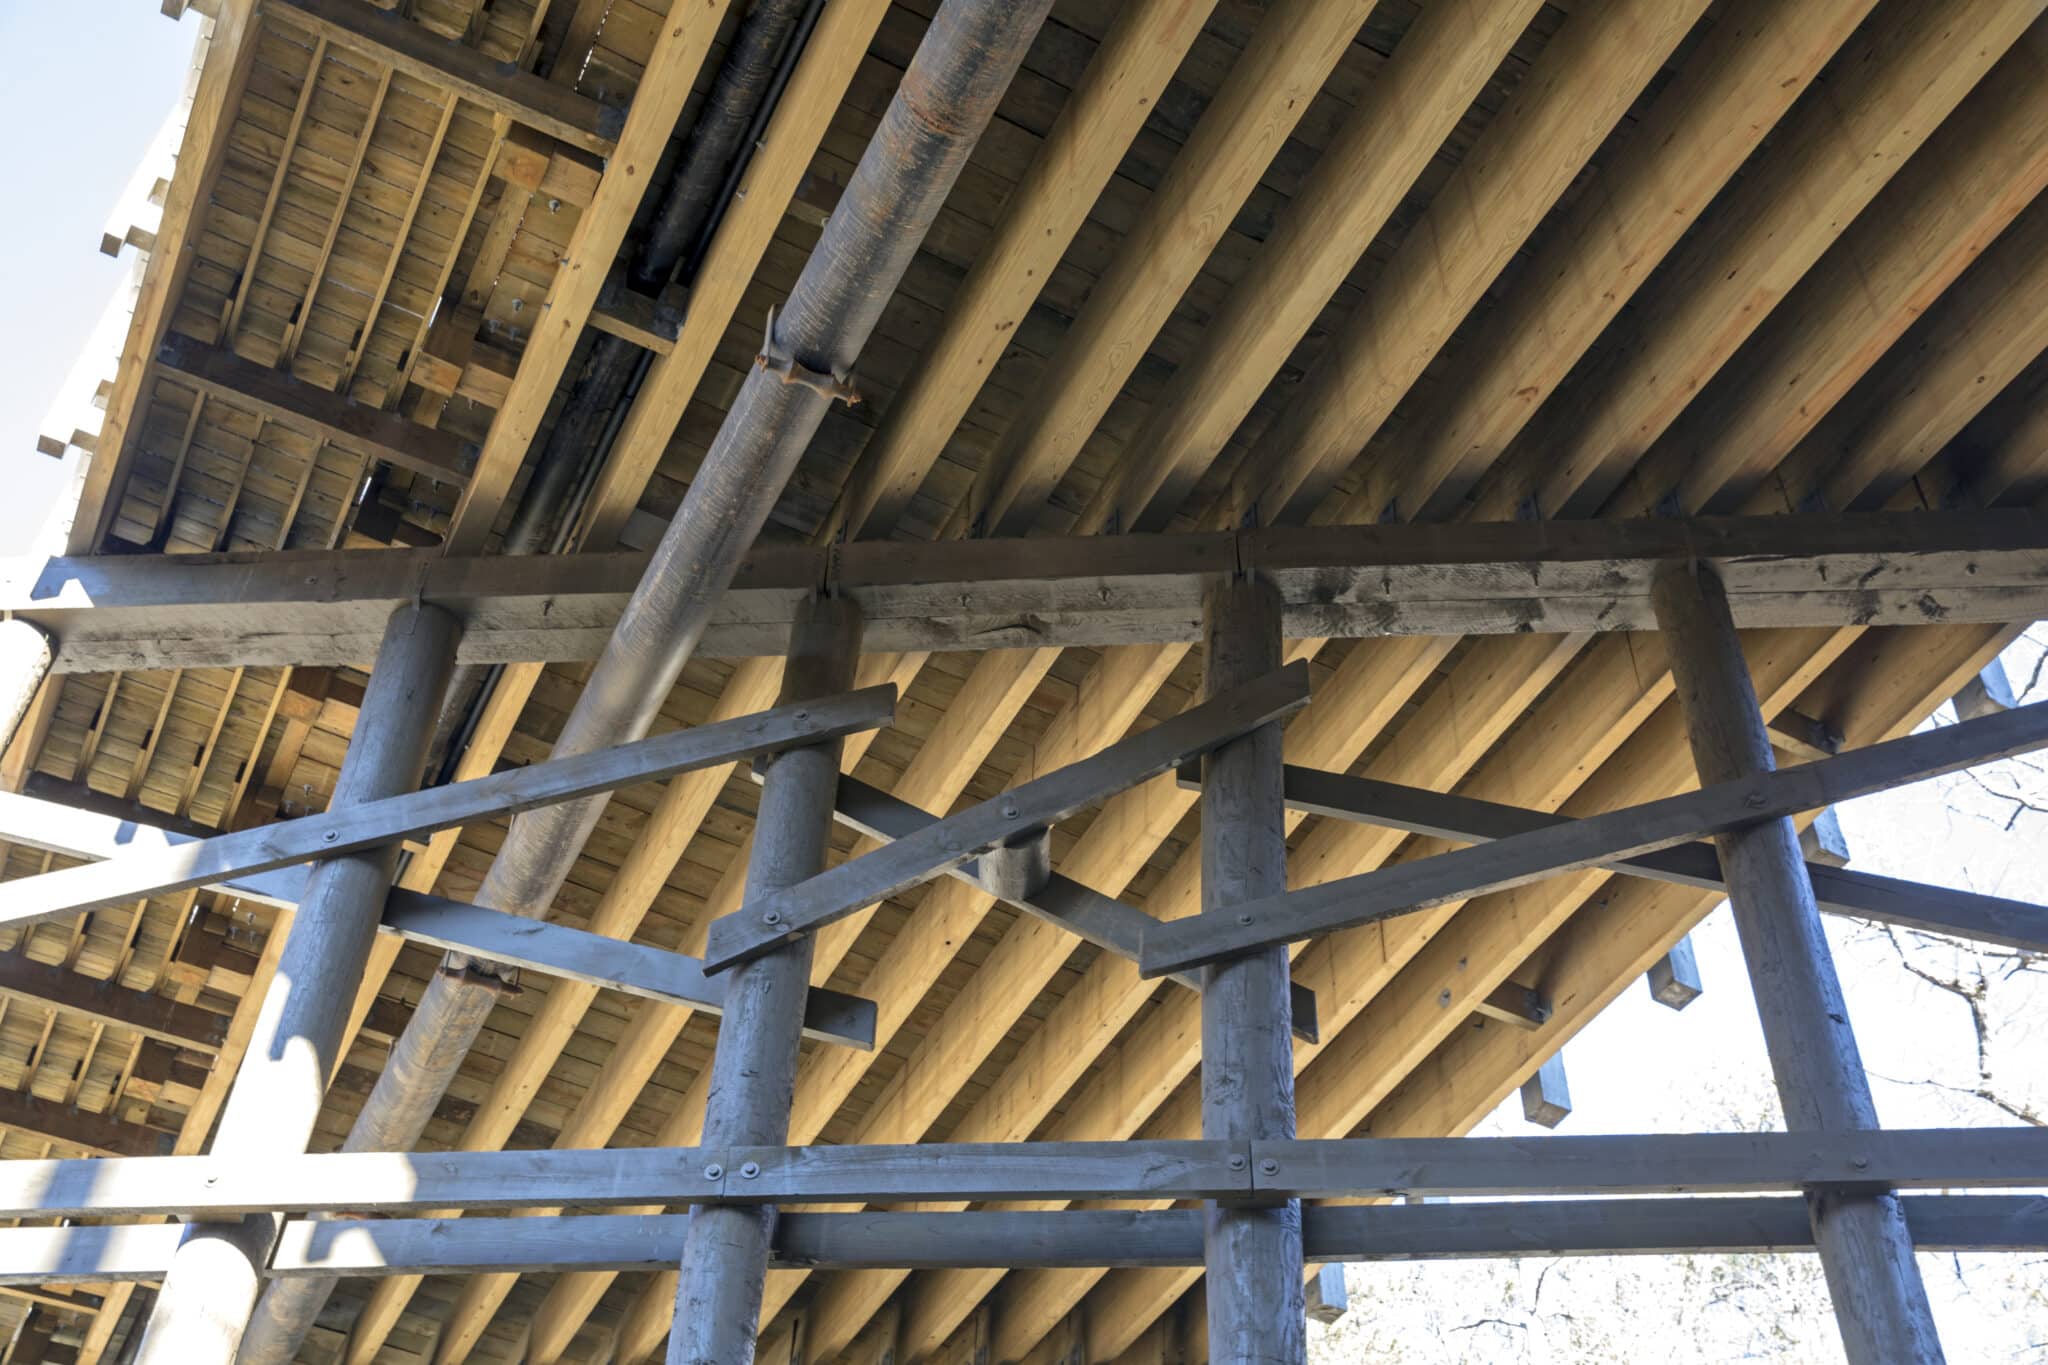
(740, 91)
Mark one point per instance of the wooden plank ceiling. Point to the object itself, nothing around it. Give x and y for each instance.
(1304, 259)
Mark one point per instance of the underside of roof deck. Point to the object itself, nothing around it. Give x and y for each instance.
(1212, 266)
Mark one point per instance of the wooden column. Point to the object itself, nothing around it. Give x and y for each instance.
(753, 1072)
(214, 1277)
(1865, 1249)
(1252, 1252)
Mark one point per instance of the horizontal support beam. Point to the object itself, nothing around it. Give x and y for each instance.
(1025, 1239)
(304, 608)
(358, 428)
(173, 867)
(634, 968)
(400, 1183)
(1589, 841)
(533, 945)
(1083, 911)
(109, 1002)
(1838, 891)
(75, 1127)
(900, 864)
(501, 87)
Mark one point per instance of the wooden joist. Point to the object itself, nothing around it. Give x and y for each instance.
(310, 410)
(372, 823)
(303, 608)
(400, 1183)
(1592, 840)
(389, 37)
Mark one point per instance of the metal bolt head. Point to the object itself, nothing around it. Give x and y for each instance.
(1443, 998)
(714, 1172)
(1861, 1163)
(772, 917)
(1269, 1167)
(750, 1170)
(1245, 920)
(1237, 1161)
(803, 713)
(331, 835)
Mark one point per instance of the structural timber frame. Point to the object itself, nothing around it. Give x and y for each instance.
(1014, 814)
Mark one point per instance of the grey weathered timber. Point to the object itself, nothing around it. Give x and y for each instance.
(1866, 1250)
(1081, 910)
(1024, 1238)
(360, 428)
(409, 1182)
(779, 916)
(296, 607)
(127, 879)
(1327, 1299)
(387, 36)
(493, 935)
(650, 973)
(214, 1276)
(1594, 839)
(1990, 691)
(1018, 867)
(1838, 891)
(1674, 979)
(1251, 1247)
(753, 1069)
(1546, 1097)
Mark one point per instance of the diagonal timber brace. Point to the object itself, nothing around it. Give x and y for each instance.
(1081, 910)
(948, 843)
(175, 867)
(1838, 891)
(476, 930)
(1590, 841)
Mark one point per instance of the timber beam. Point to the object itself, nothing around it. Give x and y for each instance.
(1838, 891)
(1591, 840)
(359, 428)
(409, 1182)
(299, 608)
(75, 1127)
(109, 1002)
(390, 38)
(373, 823)
(1023, 1238)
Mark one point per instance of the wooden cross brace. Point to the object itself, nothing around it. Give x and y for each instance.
(1589, 841)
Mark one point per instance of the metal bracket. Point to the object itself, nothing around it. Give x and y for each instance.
(786, 367)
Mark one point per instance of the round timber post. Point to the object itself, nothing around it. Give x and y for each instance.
(753, 1070)
(211, 1286)
(1866, 1250)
